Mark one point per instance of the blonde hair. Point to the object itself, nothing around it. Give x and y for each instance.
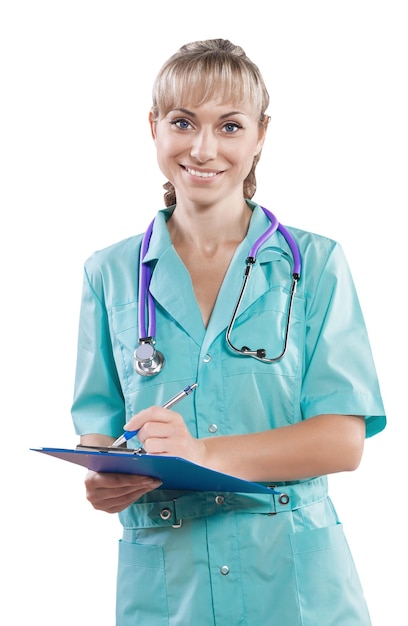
(202, 70)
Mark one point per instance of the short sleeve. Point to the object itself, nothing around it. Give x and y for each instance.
(98, 405)
(340, 375)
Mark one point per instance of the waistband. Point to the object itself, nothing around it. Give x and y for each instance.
(172, 512)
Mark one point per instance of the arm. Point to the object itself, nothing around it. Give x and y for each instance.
(320, 445)
(98, 402)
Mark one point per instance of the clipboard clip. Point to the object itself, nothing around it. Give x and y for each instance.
(140, 450)
(126, 451)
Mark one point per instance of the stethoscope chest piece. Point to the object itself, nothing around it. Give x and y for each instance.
(147, 360)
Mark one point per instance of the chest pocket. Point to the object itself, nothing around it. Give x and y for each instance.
(172, 343)
(263, 323)
(263, 326)
(267, 395)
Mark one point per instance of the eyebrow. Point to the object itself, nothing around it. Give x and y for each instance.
(222, 117)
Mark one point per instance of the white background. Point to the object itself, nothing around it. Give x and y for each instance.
(78, 172)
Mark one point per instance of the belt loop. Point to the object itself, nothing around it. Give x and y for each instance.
(274, 512)
(179, 522)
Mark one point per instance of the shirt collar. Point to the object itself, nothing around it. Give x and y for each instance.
(160, 239)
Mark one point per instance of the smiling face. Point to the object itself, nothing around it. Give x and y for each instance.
(209, 119)
(207, 150)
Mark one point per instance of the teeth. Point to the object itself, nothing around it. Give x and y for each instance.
(201, 174)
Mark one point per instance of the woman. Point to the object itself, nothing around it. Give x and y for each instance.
(226, 558)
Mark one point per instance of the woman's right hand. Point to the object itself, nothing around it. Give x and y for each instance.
(114, 492)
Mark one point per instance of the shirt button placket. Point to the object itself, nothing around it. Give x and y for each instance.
(224, 555)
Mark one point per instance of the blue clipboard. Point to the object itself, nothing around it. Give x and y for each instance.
(174, 472)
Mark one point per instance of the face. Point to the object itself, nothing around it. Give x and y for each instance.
(207, 151)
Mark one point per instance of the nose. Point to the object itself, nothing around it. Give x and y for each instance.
(204, 146)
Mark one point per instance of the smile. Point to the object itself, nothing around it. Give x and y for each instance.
(200, 174)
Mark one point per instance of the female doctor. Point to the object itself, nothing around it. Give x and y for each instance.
(287, 414)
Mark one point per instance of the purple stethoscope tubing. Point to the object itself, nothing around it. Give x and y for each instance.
(145, 275)
(260, 353)
(146, 300)
(275, 225)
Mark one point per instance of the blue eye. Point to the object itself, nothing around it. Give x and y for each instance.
(231, 127)
(181, 123)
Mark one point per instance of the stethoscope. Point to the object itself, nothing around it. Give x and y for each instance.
(148, 361)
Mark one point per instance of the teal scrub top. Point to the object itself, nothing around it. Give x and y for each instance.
(230, 558)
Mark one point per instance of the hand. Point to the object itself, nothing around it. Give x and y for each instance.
(163, 431)
(114, 492)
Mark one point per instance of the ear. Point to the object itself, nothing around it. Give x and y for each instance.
(262, 135)
(152, 125)
(261, 141)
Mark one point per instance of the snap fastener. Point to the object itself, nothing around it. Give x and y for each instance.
(283, 498)
(219, 499)
(224, 570)
(212, 428)
(207, 358)
(165, 514)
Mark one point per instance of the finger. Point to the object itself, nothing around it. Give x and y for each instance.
(152, 414)
(171, 446)
(119, 482)
(110, 480)
(118, 503)
(115, 500)
(104, 493)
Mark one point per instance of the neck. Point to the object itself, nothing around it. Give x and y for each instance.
(209, 227)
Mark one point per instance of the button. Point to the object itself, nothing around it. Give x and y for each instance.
(207, 358)
(219, 499)
(283, 498)
(224, 570)
(212, 428)
(165, 514)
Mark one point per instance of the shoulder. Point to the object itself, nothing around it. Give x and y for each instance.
(112, 272)
(316, 249)
(323, 263)
(308, 239)
(114, 256)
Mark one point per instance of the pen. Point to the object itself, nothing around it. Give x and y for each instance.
(128, 434)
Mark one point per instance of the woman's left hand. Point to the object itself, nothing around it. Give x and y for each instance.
(163, 431)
